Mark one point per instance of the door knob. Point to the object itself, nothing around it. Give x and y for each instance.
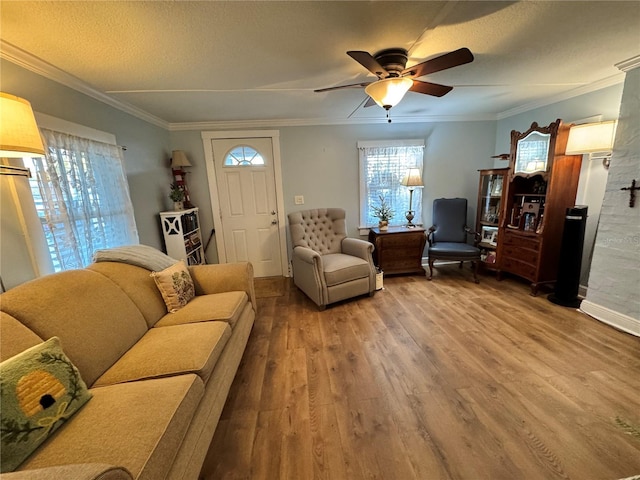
(274, 222)
(273, 212)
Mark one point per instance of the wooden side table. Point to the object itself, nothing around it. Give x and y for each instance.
(399, 250)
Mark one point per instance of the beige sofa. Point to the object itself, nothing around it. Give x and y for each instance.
(159, 380)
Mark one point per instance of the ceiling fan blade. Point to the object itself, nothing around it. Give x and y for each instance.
(448, 60)
(429, 88)
(367, 61)
(328, 89)
(370, 102)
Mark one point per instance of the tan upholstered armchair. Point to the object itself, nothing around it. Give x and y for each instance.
(328, 266)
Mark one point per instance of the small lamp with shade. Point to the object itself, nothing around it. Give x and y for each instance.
(179, 162)
(412, 180)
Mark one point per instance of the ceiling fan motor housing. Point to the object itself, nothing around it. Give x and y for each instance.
(394, 60)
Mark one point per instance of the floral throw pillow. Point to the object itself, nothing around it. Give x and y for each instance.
(40, 390)
(175, 285)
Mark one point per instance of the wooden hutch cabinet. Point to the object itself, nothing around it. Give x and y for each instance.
(491, 190)
(542, 184)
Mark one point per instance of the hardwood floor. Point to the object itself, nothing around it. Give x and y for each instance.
(431, 380)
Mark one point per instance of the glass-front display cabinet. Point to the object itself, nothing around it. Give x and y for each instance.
(491, 188)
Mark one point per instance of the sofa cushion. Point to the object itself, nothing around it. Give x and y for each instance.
(138, 285)
(40, 389)
(225, 307)
(95, 320)
(341, 268)
(137, 425)
(453, 250)
(78, 471)
(175, 285)
(14, 337)
(174, 350)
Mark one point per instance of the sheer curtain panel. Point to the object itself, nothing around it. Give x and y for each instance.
(82, 198)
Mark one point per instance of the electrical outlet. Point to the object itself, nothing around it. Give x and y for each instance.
(298, 200)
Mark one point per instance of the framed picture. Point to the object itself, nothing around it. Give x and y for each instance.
(489, 235)
(496, 187)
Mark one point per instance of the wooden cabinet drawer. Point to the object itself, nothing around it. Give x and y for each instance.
(525, 270)
(524, 241)
(401, 241)
(399, 265)
(524, 255)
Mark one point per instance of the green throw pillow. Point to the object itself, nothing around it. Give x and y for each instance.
(40, 389)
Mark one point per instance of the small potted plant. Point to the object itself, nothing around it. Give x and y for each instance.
(383, 213)
(177, 195)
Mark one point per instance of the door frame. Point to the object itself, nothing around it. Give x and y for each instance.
(274, 135)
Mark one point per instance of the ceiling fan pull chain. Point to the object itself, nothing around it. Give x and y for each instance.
(388, 118)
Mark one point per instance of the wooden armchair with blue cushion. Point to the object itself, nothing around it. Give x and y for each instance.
(449, 235)
(327, 265)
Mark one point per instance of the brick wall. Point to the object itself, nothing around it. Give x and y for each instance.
(614, 279)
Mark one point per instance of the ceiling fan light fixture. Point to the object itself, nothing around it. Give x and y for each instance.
(389, 91)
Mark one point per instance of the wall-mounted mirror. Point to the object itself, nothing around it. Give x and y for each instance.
(532, 153)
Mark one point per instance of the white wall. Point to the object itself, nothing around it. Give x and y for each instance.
(614, 281)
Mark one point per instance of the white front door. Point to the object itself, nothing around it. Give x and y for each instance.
(247, 203)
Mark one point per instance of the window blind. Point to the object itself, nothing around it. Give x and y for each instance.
(382, 167)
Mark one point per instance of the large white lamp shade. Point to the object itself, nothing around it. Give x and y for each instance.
(19, 134)
(591, 138)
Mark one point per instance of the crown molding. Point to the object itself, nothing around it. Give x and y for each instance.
(629, 64)
(275, 123)
(576, 92)
(30, 62)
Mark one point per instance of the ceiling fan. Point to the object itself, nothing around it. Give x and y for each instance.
(395, 79)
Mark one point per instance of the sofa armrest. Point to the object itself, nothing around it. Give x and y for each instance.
(79, 471)
(307, 255)
(308, 274)
(357, 247)
(224, 277)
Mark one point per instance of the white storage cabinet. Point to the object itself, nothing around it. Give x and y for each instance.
(182, 237)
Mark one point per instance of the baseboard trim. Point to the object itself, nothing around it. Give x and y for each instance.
(610, 317)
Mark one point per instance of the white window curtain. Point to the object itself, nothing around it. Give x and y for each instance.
(82, 198)
(383, 165)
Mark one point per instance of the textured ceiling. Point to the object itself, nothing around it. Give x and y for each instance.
(225, 61)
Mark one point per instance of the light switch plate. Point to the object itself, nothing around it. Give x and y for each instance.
(298, 200)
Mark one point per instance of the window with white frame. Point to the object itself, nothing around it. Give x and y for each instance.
(383, 165)
(82, 198)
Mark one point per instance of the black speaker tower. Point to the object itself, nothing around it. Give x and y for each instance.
(568, 283)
